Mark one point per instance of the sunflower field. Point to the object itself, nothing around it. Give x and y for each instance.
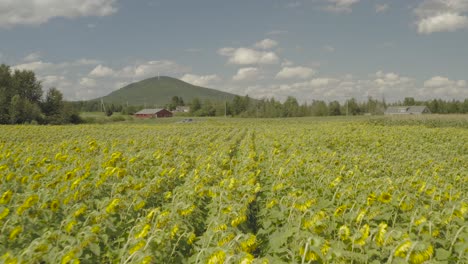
(234, 191)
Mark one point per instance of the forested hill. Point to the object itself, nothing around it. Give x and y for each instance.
(160, 90)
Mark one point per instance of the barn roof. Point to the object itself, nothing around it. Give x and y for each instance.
(149, 111)
(416, 109)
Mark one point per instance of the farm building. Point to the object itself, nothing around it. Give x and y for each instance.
(153, 113)
(407, 110)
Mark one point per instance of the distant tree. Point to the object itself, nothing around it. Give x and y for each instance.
(409, 101)
(334, 108)
(16, 109)
(464, 107)
(319, 108)
(290, 107)
(195, 105)
(352, 107)
(53, 103)
(240, 104)
(6, 93)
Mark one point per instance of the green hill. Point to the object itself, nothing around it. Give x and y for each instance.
(158, 91)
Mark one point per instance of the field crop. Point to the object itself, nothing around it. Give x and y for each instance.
(236, 191)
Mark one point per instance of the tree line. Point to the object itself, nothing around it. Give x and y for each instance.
(22, 100)
(244, 106)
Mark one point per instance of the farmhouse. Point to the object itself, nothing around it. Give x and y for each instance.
(153, 113)
(407, 110)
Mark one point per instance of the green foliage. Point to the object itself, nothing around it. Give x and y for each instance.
(234, 191)
(109, 111)
(21, 100)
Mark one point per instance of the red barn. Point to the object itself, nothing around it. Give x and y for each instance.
(153, 113)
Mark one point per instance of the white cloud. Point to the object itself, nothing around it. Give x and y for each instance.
(295, 72)
(52, 80)
(88, 82)
(247, 74)
(201, 80)
(85, 61)
(340, 6)
(33, 66)
(35, 12)
(380, 8)
(386, 80)
(441, 15)
(442, 22)
(266, 44)
(153, 68)
(391, 86)
(437, 81)
(443, 87)
(101, 71)
(32, 57)
(247, 56)
(321, 82)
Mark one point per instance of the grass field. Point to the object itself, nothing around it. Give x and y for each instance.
(304, 190)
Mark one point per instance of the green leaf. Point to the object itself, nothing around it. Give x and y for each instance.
(95, 249)
(442, 254)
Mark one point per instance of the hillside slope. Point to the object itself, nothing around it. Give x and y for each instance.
(158, 91)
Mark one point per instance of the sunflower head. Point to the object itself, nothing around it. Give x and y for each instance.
(385, 197)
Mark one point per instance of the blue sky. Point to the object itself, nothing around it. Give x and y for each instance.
(310, 49)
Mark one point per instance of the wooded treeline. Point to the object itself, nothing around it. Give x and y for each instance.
(22, 100)
(244, 106)
(247, 107)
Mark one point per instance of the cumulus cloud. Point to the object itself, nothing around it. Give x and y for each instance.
(322, 82)
(153, 68)
(101, 71)
(88, 82)
(247, 56)
(443, 87)
(35, 12)
(33, 66)
(340, 6)
(247, 74)
(201, 80)
(87, 62)
(442, 22)
(298, 72)
(266, 44)
(441, 15)
(391, 86)
(52, 80)
(390, 79)
(32, 57)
